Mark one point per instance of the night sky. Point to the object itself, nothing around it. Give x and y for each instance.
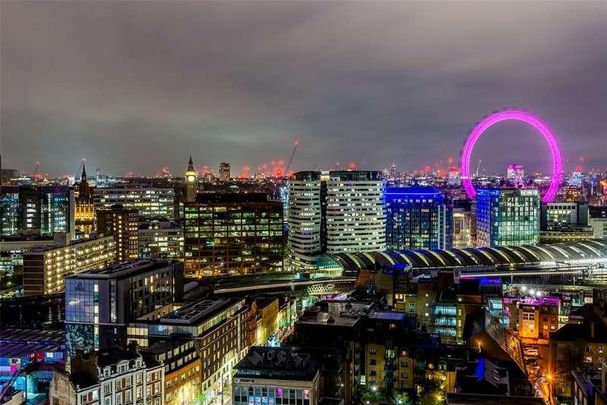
(134, 86)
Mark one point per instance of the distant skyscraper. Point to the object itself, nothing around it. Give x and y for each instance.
(393, 173)
(453, 177)
(42, 210)
(224, 172)
(515, 174)
(417, 218)
(123, 224)
(507, 217)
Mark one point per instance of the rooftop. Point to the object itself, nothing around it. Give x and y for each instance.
(589, 250)
(124, 269)
(279, 363)
(472, 399)
(24, 342)
(198, 311)
(231, 198)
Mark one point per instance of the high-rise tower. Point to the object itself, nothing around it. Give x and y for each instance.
(191, 182)
(224, 172)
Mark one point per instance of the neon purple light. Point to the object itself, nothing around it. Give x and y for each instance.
(535, 122)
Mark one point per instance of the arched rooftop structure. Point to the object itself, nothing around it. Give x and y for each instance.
(575, 253)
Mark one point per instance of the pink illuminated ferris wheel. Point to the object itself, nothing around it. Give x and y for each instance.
(513, 115)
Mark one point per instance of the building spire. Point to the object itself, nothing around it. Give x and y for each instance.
(83, 175)
(191, 165)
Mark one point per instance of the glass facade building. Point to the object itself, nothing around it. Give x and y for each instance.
(42, 210)
(233, 233)
(100, 303)
(417, 218)
(507, 217)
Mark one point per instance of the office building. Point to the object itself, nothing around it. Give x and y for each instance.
(182, 365)
(36, 210)
(332, 212)
(557, 216)
(579, 344)
(355, 215)
(417, 218)
(44, 269)
(224, 172)
(507, 217)
(150, 201)
(160, 239)
(597, 219)
(12, 249)
(590, 386)
(100, 303)
(533, 317)
(233, 233)
(111, 376)
(122, 223)
(85, 219)
(276, 376)
(305, 219)
(199, 344)
(6, 175)
(462, 224)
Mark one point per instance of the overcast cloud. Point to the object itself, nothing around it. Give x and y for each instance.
(133, 86)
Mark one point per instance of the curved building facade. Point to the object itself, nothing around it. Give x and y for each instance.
(589, 253)
(304, 218)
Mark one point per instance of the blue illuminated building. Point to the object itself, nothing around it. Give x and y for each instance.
(36, 210)
(417, 218)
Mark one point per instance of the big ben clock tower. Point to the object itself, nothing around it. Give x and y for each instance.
(191, 182)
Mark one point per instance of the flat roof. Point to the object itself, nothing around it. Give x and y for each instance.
(124, 269)
(470, 399)
(198, 311)
(24, 342)
(388, 315)
(283, 363)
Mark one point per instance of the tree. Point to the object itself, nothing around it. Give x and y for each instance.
(402, 397)
(432, 395)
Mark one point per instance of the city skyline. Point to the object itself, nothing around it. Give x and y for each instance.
(95, 80)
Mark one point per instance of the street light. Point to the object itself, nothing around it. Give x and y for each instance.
(549, 379)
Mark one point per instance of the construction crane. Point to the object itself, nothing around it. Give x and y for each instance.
(36, 175)
(478, 166)
(295, 145)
